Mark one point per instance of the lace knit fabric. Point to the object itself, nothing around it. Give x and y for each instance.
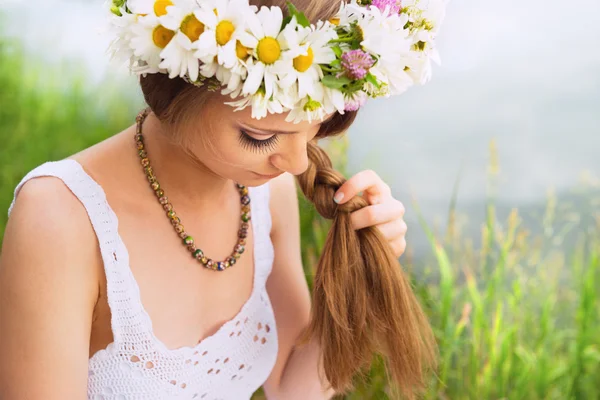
(230, 364)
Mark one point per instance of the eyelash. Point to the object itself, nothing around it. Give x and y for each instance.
(263, 146)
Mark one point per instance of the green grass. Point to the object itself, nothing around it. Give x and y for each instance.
(517, 317)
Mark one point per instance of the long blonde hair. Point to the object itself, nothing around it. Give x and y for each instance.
(363, 304)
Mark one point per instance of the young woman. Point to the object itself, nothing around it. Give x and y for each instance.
(164, 262)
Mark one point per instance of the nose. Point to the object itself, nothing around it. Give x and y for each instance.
(292, 157)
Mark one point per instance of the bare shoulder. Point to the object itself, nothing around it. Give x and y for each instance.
(284, 200)
(48, 290)
(48, 218)
(47, 205)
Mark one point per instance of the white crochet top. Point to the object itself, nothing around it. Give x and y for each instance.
(230, 364)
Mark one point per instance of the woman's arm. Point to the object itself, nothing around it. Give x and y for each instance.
(48, 289)
(295, 374)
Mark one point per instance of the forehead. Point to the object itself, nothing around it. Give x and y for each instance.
(219, 110)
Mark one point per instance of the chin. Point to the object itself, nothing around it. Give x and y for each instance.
(252, 181)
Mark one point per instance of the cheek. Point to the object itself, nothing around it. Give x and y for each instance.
(225, 152)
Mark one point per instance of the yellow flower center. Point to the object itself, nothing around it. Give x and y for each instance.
(302, 63)
(268, 50)
(361, 33)
(162, 36)
(334, 21)
(224, 31)
(241, 51)
(160, 7)
(191, 27)
(311, 105)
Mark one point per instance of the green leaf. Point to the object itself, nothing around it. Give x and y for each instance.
(335, 83)
(300, 17)
(371, 79)
(336, 63)
(337, 50)
(286, 21)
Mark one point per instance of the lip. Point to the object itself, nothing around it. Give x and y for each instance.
(267, 176)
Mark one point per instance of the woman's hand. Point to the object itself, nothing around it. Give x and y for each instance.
(383, 212)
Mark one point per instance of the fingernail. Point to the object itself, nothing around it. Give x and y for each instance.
(338, 197)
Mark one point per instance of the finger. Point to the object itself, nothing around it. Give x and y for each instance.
(365, 181)
(375, 215)
(398, 246)
(393, 230)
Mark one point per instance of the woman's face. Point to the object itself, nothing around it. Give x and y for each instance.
(249, 151)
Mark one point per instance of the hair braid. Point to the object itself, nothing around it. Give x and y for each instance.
(362, 301)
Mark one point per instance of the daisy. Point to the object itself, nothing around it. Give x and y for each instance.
(263, 105)
(178, 56)
(310, 108)
(119, 49)
(266, 43)
(307, 48)
(224, 22)
(383, 35)
(157, 8)
(220, 49)
(344, 15)
(148, 40)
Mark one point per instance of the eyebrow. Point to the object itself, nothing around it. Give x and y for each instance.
(275, 131)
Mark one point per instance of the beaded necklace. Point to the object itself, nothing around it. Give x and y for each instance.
(188, 240)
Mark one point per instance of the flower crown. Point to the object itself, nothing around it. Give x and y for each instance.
(371, 48)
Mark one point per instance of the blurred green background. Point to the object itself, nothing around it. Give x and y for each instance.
(496, 161)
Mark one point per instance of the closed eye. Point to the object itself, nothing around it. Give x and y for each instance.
(262, 146)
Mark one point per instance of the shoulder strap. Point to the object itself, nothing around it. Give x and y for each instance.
(127, 317)
(261, 224)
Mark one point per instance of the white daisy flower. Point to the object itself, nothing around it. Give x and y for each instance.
(262, 105)
(307, 48)
(178, 56)
(119, 49)
(266, 43)
(310, 108)
(224, 22)
(345, 14)
(220, 49)
(157, 8)
(383, 34)
(149, 38)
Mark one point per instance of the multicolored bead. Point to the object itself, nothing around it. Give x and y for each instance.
(245, 200)
(243, 233)
(168, 207)
(163, 200)
(239, 248)
(145, 162)
(155, 186)
(198, 254)
(159, 193)
(188, 240)
(246, 217)
(220, 266)
(179, 228)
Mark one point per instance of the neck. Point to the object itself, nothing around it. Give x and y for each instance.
(184, 178)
